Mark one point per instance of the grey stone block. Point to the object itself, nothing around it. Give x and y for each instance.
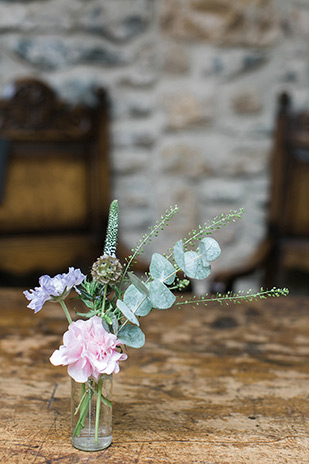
(51, 53)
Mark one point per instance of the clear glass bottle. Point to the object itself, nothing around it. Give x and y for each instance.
(91, 413)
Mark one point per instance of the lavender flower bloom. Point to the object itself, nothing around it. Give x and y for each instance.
(53, 288)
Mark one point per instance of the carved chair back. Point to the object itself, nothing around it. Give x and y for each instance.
(283, 255)
(289, 208)
(54, 180)
(289, 199)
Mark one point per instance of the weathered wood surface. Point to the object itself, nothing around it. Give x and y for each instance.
(222, 386)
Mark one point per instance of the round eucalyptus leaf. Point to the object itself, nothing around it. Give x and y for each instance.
(179, 254)
(195, 267)
(210, 249)
(132, 336)
(193, 264)
(127, 312)
(137, 302)
(162, 269)
(138, 284)
(160, 296)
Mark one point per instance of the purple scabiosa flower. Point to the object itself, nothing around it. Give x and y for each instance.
(53, 288)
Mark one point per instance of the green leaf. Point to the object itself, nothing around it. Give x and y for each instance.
(106, 326)
(127, 312)
(134, 299)
(138, 284)
(110, 323)
(162, 269)
(210, 249)
(88, 303)
(179, 254)
(195, 267)
(92, 313)
(160, 296)
(132, 336)
(115, 324)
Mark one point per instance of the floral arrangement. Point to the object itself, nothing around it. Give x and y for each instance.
(115, 299)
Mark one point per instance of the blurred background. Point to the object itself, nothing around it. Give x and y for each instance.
(192, 88)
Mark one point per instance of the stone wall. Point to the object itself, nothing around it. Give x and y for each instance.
(193, 86)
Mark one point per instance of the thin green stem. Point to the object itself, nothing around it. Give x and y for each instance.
(82, 399)
(216, 223)
(83, 410)
(104, 300)
(66, 311)
(237, 297)
(98, 409)
(153, 232)
(104, 400)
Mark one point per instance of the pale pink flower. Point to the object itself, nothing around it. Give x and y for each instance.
(88, 351)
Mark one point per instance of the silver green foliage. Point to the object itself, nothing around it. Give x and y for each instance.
(141, 297)
(160, 296)
(161, 269)
(132, 336)
(196, 265)
(210, 249)
(127, 312)
(138, 303)
(162, 272)
(138, 283)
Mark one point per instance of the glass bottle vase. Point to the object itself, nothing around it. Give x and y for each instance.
(91, 413)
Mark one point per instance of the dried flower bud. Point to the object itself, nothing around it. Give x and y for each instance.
(106, 270)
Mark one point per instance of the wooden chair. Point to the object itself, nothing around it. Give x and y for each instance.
(54, 181)
(285, 249)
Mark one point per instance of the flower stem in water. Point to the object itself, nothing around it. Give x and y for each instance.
(98, 408)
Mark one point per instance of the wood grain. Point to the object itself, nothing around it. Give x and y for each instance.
(211, 386)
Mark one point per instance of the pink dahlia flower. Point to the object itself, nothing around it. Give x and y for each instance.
(88, 351)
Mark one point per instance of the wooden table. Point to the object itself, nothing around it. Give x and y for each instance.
(215, 385)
